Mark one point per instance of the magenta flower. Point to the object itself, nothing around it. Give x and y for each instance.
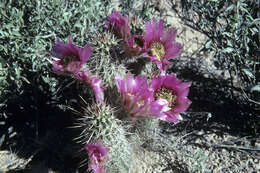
(135, 95)
(137, 98)
(94, 82)
(119, 25)
(97, 155)
(134, 45)
(172, 90)
(69, 58)
(160, 45)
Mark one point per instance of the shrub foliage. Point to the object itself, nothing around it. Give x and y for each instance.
(232, 28)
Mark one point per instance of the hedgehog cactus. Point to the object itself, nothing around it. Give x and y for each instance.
(103, 63)
(98, 122)
(147, 96)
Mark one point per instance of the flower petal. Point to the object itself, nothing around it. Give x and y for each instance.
(155, 35)
(171, 117)
(120, 83)
(158, 29)
(157, 83)
(70, 57)
(94, 82)
(180, 103)
(174, 51)
(148, 37)
(97, 155)
(85, 54)
(169, 37)
(119, 25)
(135, 96)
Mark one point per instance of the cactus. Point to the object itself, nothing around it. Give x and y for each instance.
(101, 127)
(106, 61)
(99, 122)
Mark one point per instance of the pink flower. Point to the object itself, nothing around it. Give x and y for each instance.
(172, 90)
(94, 82)
(160, 45)
(134, 45)
(137, 98)
(135, 94)
(69, 58)
(165, 98)
(119, 25)
(97, 156)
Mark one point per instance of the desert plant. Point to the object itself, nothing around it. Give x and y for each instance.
(31, 28)
(163, 96)
(98, 123)
(232, 29)
(28, 32)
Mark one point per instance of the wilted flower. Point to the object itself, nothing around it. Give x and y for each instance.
(94, 82)
(137, 98)
(69, 58)
(160, 45)
(97, 156)
(119, 25)
(172, 90)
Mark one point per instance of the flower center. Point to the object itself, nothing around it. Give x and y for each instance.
(140, 101)
(65, 61)
(168, 94)
(97, 156)
(157, 49)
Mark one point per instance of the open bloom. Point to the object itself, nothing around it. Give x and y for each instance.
(172, 90)
(69, 58)
(97, 156)
(160, 45)
(119, 25)
(135, 94)
(137, 98)
(94, 82)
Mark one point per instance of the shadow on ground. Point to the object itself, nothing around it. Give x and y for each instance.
(37, 125)
(220, 104)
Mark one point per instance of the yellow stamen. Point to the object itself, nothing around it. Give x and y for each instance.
(158, 50)
(168, 94)
(140, 102)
